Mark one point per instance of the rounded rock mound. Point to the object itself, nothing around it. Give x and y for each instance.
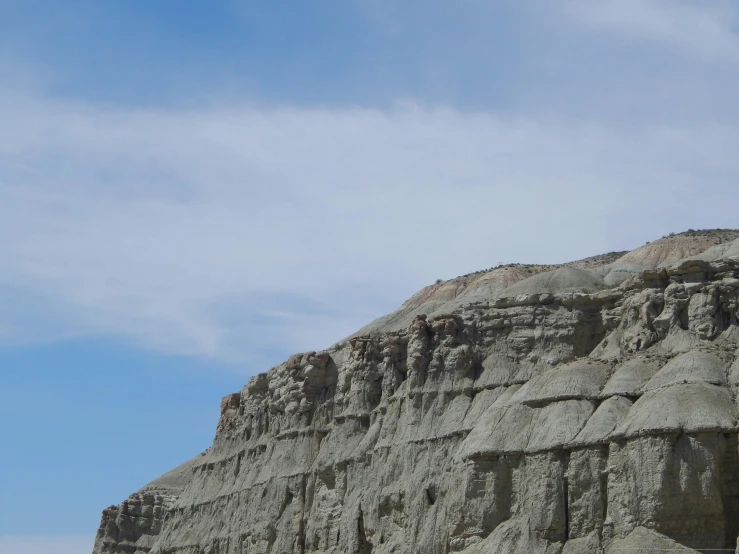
(578, 380)
(688, 408)
(691, 367)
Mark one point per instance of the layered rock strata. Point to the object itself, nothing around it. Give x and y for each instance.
(561, 415)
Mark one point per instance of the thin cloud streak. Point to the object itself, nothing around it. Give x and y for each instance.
(705, 30)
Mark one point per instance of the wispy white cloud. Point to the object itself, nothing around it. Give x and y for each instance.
(237, 231)
(706, 30)
(62, 544)
(233, 232)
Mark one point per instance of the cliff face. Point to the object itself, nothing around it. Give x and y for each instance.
(563, 413)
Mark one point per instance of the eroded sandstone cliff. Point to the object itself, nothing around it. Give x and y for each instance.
(578, 409)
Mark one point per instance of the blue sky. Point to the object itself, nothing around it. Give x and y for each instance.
(192, 191)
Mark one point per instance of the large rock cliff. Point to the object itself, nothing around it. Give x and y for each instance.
(583, 408)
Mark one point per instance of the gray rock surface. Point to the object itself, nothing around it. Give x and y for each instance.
(133, 525)
(585, 408)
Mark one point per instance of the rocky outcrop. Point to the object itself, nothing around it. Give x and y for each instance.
(133, 526)
(566, 415)
(605, 270)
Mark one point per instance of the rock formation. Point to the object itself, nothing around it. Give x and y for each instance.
(575, 409)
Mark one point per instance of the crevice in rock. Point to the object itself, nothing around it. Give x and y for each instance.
(363, 545)
(477, 368)
(237, 467)
(285, 503)
(431, 495)
(589, 332)
(604, 489)
(566, 493)
(730, 489)
(328, 476)
(566, 486)
(301, 523)
(683, 319)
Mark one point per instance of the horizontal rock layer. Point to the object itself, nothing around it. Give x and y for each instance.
(556, 420)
